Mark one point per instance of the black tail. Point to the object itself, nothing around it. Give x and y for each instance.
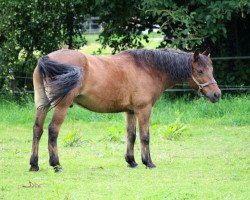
(60, 79)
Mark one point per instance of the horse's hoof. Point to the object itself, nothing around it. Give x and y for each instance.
(151, 165)
(131, 161)
(132, 164)
(34, 168)
(58, 168)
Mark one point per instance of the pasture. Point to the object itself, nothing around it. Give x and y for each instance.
(201, 151)
(94, 45)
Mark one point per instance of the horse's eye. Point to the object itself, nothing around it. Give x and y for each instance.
(200, 72)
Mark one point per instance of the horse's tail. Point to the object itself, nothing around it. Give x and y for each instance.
(59, 79)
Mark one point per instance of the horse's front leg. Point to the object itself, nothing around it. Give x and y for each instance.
(131, 136)
(143, 116)
(54, 127)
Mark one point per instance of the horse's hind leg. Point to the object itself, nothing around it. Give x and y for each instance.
(131, 136)
(40, 100)
(54, 127)
(37, 133)
(143, 116)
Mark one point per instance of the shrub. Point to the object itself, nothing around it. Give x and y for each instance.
(115, 134)
(73, 139)
(175, 130)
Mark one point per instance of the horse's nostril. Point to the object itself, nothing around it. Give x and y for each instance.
(217, 95)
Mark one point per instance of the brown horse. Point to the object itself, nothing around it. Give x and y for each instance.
(130, 82)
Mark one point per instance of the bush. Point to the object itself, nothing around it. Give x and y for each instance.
(30, 29)
(173, 131)
(73, 139)
(115, 133)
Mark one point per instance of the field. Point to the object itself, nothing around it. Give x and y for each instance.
(93, 44)
(201, 151)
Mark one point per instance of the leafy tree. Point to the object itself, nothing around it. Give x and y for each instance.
(31, 28)
(222, 25)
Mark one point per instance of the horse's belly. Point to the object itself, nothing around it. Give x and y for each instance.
(102, 105)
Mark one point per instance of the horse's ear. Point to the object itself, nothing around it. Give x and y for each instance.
(196, 55)
(207, 52)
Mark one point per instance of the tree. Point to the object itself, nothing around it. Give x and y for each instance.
(29, 29)
(222, 25)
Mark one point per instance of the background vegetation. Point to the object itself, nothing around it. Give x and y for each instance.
(208, 159)
(201, 149)
(29, 29)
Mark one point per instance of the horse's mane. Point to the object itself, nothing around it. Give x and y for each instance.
(177, 63)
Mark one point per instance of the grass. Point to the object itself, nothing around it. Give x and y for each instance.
(93, 45)
(209, 161)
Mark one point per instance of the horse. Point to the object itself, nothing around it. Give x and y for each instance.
(130, 81)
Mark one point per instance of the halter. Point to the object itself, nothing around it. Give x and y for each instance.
(202, 85)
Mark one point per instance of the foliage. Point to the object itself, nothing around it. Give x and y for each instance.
(29, 29)
(115, 133)
(222, 25)
(122, 31)
(176, 130)
(73, 139)
(184, 25)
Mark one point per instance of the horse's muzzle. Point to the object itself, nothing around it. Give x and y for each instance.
(214, 96)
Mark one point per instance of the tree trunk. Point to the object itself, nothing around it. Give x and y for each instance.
(70, 28)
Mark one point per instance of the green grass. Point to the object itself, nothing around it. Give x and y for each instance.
(211, 160)
(93, 45)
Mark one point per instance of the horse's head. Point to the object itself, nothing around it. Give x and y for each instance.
(202, 76)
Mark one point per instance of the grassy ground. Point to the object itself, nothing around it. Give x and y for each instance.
(210, 159)
(93, 45)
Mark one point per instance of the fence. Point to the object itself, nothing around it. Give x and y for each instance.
(176, 89)
(222, 87)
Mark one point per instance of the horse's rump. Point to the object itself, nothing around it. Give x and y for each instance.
(59, 79)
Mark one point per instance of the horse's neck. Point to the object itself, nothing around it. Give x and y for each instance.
(167, 81)
(170, 82)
